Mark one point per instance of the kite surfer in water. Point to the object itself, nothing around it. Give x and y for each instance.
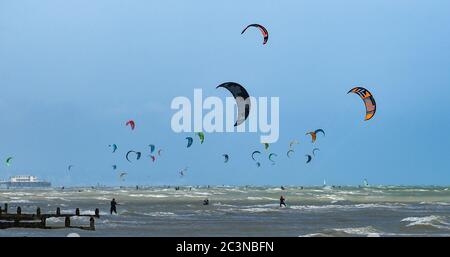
(282, 201)
(113, 206)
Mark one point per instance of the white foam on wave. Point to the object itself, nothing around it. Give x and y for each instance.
(160, 214)
(432, 220)
(315, 235)
(56, 198)
(257, 209)
(360, 231)
(20, 201)
(90, 212)
(192, 196)
(17, 193)
(348, 206)
(331, 197)
(253, 198)
(54, 220)
(252, 208)
(83, 212)
(410, 190)
(269, 205)
(201, 193)
(350, 193)
(80, 218)
(437, 203)
(101, 198)
(222, 205)
(235, 190)
(148, 196)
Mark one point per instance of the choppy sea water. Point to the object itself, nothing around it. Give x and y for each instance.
(243, 211)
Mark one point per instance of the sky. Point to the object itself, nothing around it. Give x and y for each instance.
(73, 72)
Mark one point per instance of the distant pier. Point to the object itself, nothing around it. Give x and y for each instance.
(38, 219)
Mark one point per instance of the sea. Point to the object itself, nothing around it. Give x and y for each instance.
(375, 211)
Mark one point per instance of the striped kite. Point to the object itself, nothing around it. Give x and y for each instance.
(314, 134)
(263, 30)
(368, 99)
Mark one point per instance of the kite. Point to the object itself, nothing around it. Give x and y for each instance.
(138, 155)
(314, 151)
(253, 154)
(227, 157)
(320, 130)
(190, 141)
(263, 30)
(122, 174)
(9, 161)
(366, 184)
(183, 171)
(131, 124)
(309, 158)
(368, 100)
(314, 134)
(293, 142)
(152, 148)
(114, 147)
(242, 100)
(270, 157)
(288, 152)
(266, 145)
(201, 136)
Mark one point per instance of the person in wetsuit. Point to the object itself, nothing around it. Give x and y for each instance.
(206, 202)
(113, 206)
(282, 201)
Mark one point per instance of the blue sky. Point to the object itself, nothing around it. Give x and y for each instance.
(73, 72)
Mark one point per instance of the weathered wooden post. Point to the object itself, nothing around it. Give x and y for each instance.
(92, 223)
(38, 211)
(58, 211)
(77, 212)
(67, 222)
(97, 213)
(6, 208)
(17, 219)
(43, 220)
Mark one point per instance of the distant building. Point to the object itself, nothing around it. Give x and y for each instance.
(24, 181)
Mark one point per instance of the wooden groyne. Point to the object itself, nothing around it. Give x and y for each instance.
(38, 219)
